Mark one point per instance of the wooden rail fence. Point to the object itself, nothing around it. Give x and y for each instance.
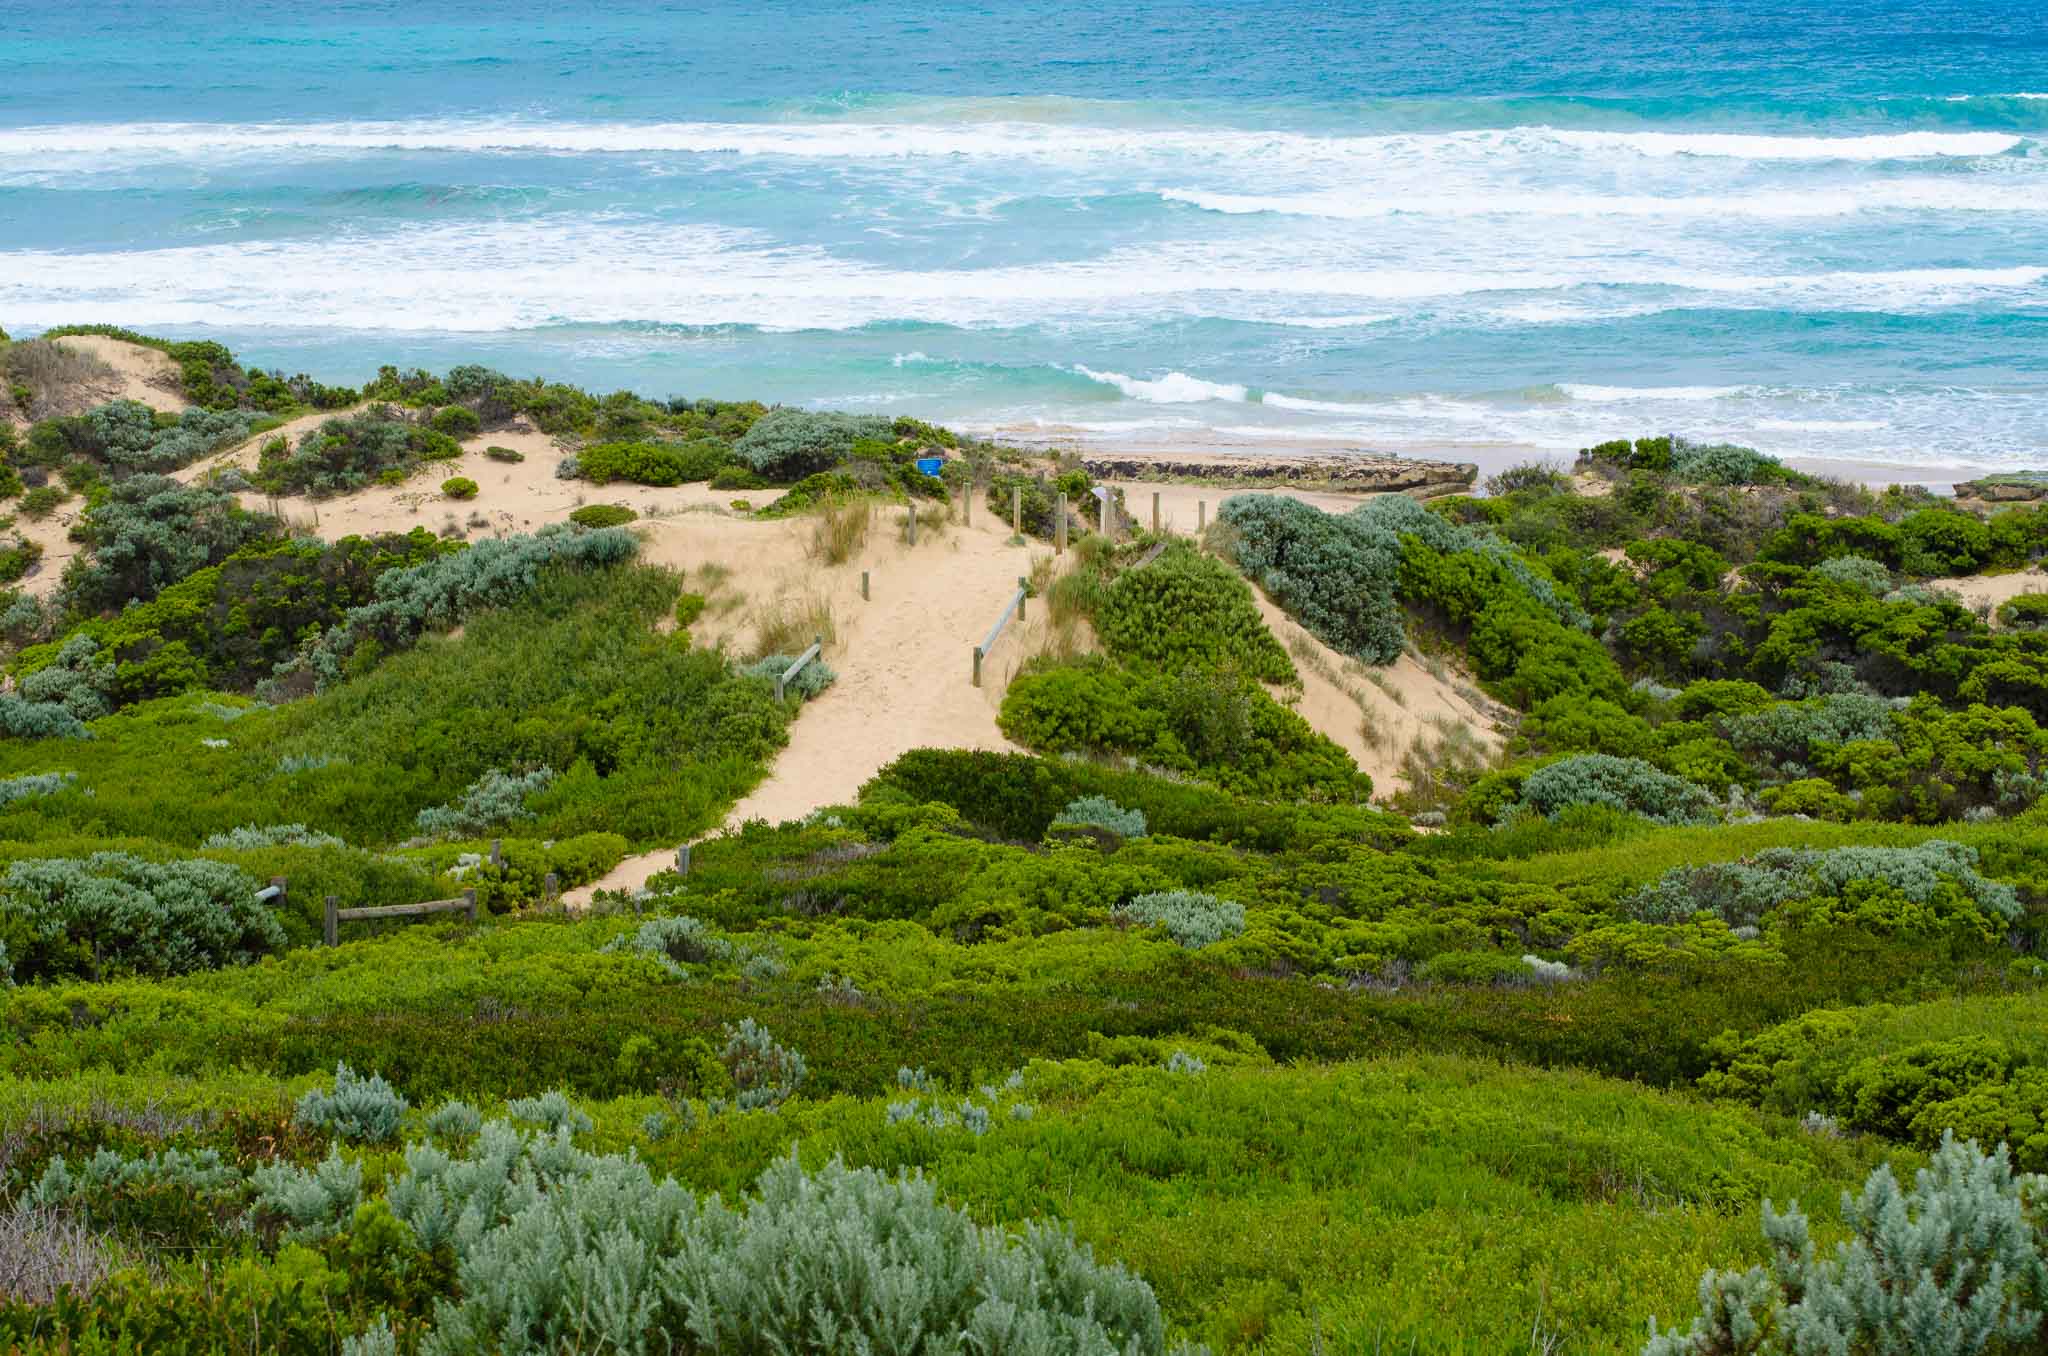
(817, 648)
(1015, 608)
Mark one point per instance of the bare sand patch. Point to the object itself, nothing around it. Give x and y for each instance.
(140, 373)
(1994, 590)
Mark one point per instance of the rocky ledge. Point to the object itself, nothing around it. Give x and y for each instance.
(1351, 474)
(2019, 488)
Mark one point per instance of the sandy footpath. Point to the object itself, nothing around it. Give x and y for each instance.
(1995, 589)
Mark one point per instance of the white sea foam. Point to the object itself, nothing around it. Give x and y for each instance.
(498, 275)
(1610, 395)
(1013, 139)
(1329, 322)
(1392, 198)
(1175, 388)
(1304, 405)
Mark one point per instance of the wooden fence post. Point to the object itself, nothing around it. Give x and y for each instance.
(1155, 512)
(1201, 516)
(279, 884)
(551, 889)
(683, 860)
(498, 852)
(1023, 593)
(469, 898)
(330, 927)
(863, 585)
(1059, 531)
(1017, 510)
(1103, 517)
(977, 666)
(913, 520)
(967, 504)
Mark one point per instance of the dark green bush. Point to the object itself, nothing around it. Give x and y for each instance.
(459, 487)
(457, 421)
(786, 445)
(603, 515)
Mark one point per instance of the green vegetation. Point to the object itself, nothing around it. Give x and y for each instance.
(1159, 1036)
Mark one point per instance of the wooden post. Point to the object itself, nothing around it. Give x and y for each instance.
(1023, 592)
(1201, 516)
(977, 666)
(1059, 530)
(498, 852)
(283, 892)
(469, 898)
(1155, 512)
(551, 889)
(913, 520)
(1017, 510)
(330, 927)
(683, 860)
(863, 585)
(1103, 517)
(967, 504)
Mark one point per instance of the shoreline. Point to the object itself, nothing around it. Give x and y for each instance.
(1487, 458)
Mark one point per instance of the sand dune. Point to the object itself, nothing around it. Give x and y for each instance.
(140, 373)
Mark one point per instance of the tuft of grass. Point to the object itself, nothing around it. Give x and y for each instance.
(840, 531)
(1441, 764)
(789, 624)
(56, 378)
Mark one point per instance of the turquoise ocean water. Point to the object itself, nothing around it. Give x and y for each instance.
(1819, 228)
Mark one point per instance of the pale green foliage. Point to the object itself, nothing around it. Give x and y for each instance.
(454, 1120)
(675, 941)
(1340, 573)
(494, 799)
(788, 444)
(247, 837)
(812, 679)
(1627, 784)
(129, 439)
(764, 1073)
(32, 784)
(315, 1202)
(75, 680)
(552, 1111)
(1181, 1062)
(1104, 813)
(443, 591)
(1191, 918)
(200, 1172)
(1858, 572)
(1742, 892)
(1950, 1268)
(1789, 732)
(364, 1110)
(559, 1249)
(38, 720)
(1722, 464)
(156, 918)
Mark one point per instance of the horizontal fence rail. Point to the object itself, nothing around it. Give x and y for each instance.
(789, 674)
(1016, 609)
(336, 915)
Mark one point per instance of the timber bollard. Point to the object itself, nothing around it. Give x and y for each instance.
(863, 585)
(1023, 594)
(1201, 516)
(1059, 534)
(1017, 510)
(551, 889)
(498, 852)
(1155, 513)
(977, 666)
(683, 860)
(913, 522)
(330, 925)
(469, 897)
(1102, 519)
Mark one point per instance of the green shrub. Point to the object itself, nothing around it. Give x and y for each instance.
(457, 421)
(149, 532)
(1332, 572)
(689, 607)
(603, 515)
(787, 445)
(738, 478)
(348, 453)
(1743, 892)
(647, 463)
(492, 800)
(1186, 607)
(2028, 612)
(504, 454)
(115, 914)
(40, 502)
(459, 487)
(1628, 784)
(1857, 572)
(810, 680)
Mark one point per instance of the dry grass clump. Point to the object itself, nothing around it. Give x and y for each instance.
(45, 378)
(44, 1251)
(1441, 764)
(790, 623)
(840, 531)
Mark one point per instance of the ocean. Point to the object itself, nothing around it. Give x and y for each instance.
(1820, 229)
